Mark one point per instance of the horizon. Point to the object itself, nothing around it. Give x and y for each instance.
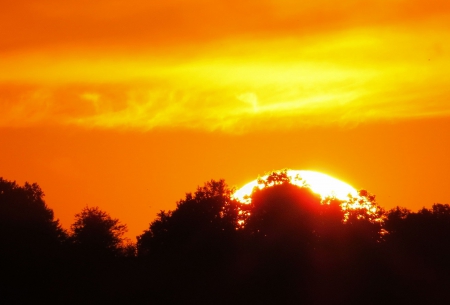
(129, 105)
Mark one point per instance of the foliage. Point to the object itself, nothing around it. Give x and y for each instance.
(27, 225)
(208, 214)
(293, 246)
(361, 211)
(275, 178)
(95, 233)
(426, 232)
(282, 209)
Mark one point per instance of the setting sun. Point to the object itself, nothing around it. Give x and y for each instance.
(352, 202)
(319, 183)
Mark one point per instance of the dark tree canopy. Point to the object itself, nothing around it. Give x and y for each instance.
(281, 206)
(282, 209)
(426, 233)
(95, 233)
(27, 225)
(208, 214)
(288, 246)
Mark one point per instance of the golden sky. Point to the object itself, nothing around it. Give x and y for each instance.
(130, 104)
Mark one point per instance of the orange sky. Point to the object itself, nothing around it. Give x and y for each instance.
(129, 104)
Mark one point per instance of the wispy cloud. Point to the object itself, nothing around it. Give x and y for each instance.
(291, 64)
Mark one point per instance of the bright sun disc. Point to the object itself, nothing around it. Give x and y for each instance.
(319, 183)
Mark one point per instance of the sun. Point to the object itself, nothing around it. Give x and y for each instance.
(351, 200)
(319, 183)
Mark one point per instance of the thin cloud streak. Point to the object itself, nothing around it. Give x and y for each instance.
(361, 64)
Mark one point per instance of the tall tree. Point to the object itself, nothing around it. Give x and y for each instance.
(96, 234)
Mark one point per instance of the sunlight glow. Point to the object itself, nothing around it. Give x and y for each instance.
(319, 183)
(327, 187)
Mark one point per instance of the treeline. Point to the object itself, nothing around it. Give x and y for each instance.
(286, 247)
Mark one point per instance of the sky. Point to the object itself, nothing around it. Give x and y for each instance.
(128, 105)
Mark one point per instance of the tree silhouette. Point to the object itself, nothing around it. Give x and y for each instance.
(31, 244)
(426, 233)
(96, 234)
(283, 210)
(191, 247)
(287, 246)
(418, 247)
(295, 237)
(27, 225)
(280, 235)
(281, 206)
(207, 216)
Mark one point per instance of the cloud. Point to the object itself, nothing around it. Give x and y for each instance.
(249, 98)
(236, 98)
(227, 65)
